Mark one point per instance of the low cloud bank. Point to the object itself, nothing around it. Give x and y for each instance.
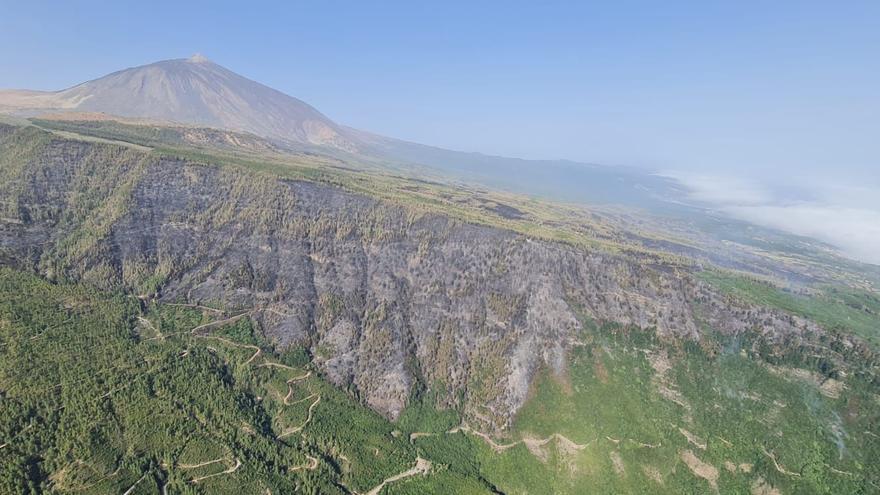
(844, 215)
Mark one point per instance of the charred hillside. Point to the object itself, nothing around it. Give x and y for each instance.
(386, 298)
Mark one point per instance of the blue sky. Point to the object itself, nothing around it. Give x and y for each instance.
(777, 94)
(663, 84)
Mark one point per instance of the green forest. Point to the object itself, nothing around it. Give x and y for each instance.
(105, 392)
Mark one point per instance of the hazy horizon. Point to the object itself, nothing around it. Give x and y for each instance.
(767, 112)
(411, 248)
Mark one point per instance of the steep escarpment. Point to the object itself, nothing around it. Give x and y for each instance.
(386, 298)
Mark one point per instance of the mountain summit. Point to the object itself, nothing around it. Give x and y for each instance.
(197, 91)
(198, 58)
(192, 91)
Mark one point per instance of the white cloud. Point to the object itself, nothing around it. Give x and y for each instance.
(719, 190)
(844, 215)
(855, 231)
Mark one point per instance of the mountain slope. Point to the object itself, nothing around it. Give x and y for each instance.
(370, 286)
(198, 308)
(199, 92)
(561, 180)
(192, 91)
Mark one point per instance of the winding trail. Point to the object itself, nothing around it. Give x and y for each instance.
(231, 319)
(279, 313)
(423, 466)
(136, 483)
(209, 325)
(304, 399)
(28, 427)
(569, 444)
(196, 306)
(277, 365)
(311, 466)
(257, 350)
(290, 387)
(779, 467)
(100, 480)
(838, 471)
(256, 354)
(217, 323)
(495, 446)
(529, 442)
(206, 463)
(228, 471)
(300, 427)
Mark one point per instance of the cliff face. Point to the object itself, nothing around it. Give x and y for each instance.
(386, 298)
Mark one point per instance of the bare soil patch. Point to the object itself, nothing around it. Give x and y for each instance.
(617, 462)
(701, 469)
(653, 473)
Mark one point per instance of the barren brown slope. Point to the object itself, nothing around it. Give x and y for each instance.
(192, 91)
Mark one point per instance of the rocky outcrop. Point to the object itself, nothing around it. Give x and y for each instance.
(384, 297)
